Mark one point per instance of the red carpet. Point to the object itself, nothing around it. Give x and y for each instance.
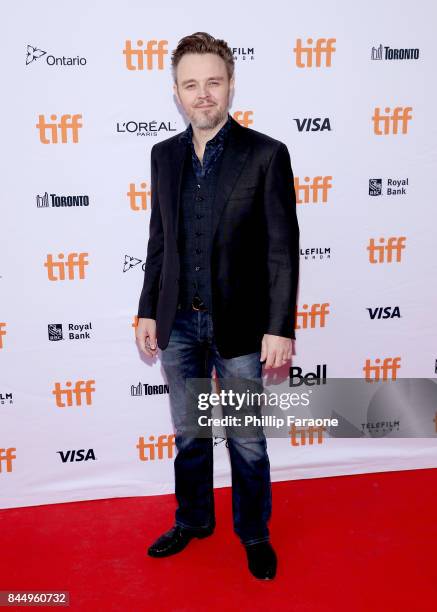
(350, 543)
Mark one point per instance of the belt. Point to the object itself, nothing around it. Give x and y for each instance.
(197, 304)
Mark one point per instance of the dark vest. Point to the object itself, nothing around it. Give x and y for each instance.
(195, 236)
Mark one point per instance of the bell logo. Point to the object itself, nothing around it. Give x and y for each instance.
(376, 372)
(49, 132)
(6, 458)
(155, 450)
(383, 253)
(135, 57)
(311, 433)
(308, 318)
(56, 269)
(138, 197)
(244, 118)
(309, 192)
(312, 55)
(3, 332)
(389, 123)
(68, 396)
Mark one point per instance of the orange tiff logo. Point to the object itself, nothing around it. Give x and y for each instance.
(314, 316)
(75, 266)
(67, 130)
(389, 123)
(138, 197)
(313, 191)
(381, 371)
(299, 436)
(135, 56)
(6, 457)
(387, 251)
(3, 332)
(163, 448)
(73, 396)
(316, 54)
(244, 118)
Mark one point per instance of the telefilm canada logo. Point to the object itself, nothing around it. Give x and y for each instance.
(388, 186)
(316, 253)
(243, 54)
(384, 52)
(54, 200)
(33, 54)
(6, 398)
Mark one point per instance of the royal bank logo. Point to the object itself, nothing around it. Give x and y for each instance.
(384, 52)
(318, 253)
(145, 128)
(243, 54)
(388, 187)
(53, 200)
(74, 331)
(34, 54)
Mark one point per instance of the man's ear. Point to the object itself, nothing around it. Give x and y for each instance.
(175, 91)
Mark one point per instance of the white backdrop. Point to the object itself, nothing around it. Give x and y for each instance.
(72, 425)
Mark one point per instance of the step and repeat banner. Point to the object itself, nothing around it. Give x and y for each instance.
(87, 91)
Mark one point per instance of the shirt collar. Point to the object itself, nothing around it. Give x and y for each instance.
(187, 135)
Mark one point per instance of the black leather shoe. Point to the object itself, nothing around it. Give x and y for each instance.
(262, 560)
(175, 540)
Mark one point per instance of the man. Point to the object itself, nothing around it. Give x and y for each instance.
(219, 285)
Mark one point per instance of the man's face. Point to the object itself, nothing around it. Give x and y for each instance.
(203, 89)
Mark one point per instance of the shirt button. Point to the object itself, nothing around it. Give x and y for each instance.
(197, 268)
(198, 251)
(198, 186)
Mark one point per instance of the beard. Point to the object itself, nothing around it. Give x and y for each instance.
(209, 118)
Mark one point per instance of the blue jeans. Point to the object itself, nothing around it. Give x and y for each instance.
(192, 353)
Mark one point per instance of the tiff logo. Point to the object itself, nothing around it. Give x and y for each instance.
(73, 397)
(135, 56)
(75, 261)
(312, 189)
(314, 54)
(6, 457)
(244, 118)
(311, 316)
(163, 448)
(138, 197)
(388, 123)
(68, 126)
(300, 435)
(383, 253)
(3, 332)
(378, 371)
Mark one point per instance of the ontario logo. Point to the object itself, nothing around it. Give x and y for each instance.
(34, 54)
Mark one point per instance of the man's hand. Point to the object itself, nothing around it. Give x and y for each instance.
(276, 350)
(145, 335)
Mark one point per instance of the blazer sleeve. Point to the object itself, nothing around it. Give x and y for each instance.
(282, 244)
(155, 250)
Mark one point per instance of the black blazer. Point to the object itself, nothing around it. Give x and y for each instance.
(255, 247)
